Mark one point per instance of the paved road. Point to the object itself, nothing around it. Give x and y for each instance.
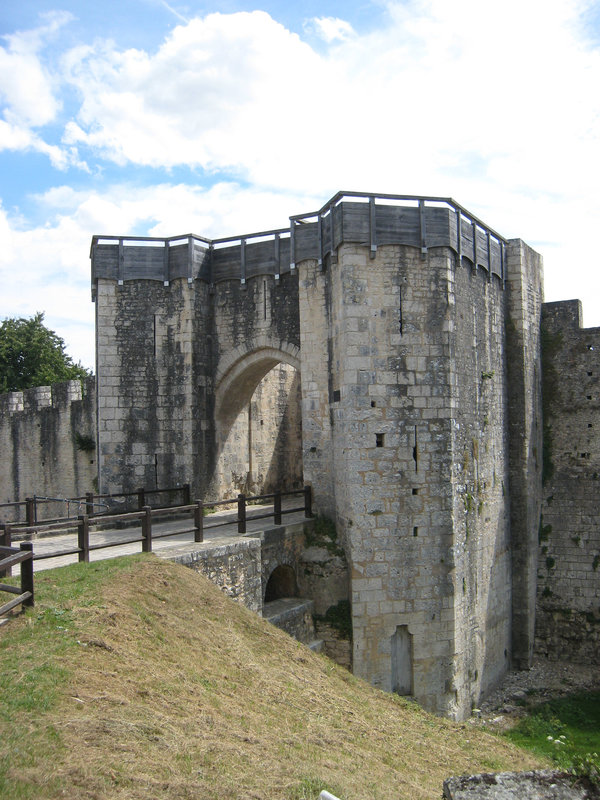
(219, 528)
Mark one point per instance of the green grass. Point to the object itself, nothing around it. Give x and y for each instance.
(136, 678)
(566, 730)
(33, 676)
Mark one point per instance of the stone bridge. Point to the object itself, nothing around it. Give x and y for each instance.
(385, 350)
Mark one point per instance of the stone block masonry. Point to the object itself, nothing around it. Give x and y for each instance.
(48, 444)
(412, 329)
(386, 350)
(412, 428)
(568, 564)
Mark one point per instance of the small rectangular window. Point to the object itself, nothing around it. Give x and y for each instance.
(379, 439)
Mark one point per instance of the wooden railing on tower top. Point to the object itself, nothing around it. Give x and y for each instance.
(366, 219)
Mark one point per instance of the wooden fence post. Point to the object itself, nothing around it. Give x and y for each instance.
(83, 538)
(277, 508)
(147, 530)
(241, 513)
(89, 503)
(27, 573)
(307, 501)
(6, 541)
(141, 498)
(30, 510)
(199, 521)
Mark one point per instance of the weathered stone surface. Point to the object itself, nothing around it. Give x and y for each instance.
(568, 566)
(294, 616)
(402, 352)
(536, 785)
(398, 374)
(47, 445)
(234, 567)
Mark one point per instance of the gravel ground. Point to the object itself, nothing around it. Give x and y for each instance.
(544, 681)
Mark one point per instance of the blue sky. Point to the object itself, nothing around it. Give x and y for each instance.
(152, 117)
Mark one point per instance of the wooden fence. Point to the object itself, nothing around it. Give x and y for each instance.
(144, 520)
(93, 504)
(10, 557)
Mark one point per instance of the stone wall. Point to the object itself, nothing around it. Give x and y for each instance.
(169, 411)
(413, 432)
(568, 612)
(524, 302)
(415, 331)
(234, 567)
(47, 441)
(152, 417)
(478, 559)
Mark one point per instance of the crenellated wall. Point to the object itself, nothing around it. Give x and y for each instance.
(47, 442)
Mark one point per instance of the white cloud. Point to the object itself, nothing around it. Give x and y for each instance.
(17, 137)
(440, 84)
(25, 85)
(495, 105)
(29, 93)
(220, 93)
(331, 29)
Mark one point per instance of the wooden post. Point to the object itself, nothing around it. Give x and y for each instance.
(30, 510)
(141, 499)
(83, 538)
(89, 503)
(7, 541)
(277, 508)
(307, 502)
(241, 513)
(27, 573)
(199, 521)
(147, 530)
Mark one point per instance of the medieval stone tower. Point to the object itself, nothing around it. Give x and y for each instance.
(413, 329)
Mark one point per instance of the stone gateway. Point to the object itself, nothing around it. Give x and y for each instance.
(395, 344)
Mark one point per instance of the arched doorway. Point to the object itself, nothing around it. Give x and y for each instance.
(259, 425)
(281, 583)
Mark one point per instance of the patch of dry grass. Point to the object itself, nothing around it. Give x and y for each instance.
(169, 689)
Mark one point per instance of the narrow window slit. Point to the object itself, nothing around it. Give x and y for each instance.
(265, 299)
(400, 311)
(416, 452)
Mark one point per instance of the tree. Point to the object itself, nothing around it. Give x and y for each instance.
(33, 355)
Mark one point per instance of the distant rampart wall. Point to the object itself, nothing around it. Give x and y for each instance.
(568, 608)
(47, 442)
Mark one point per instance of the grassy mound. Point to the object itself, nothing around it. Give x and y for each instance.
(137, 678)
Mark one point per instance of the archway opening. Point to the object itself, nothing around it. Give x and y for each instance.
(259, 428)
(281, 583)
